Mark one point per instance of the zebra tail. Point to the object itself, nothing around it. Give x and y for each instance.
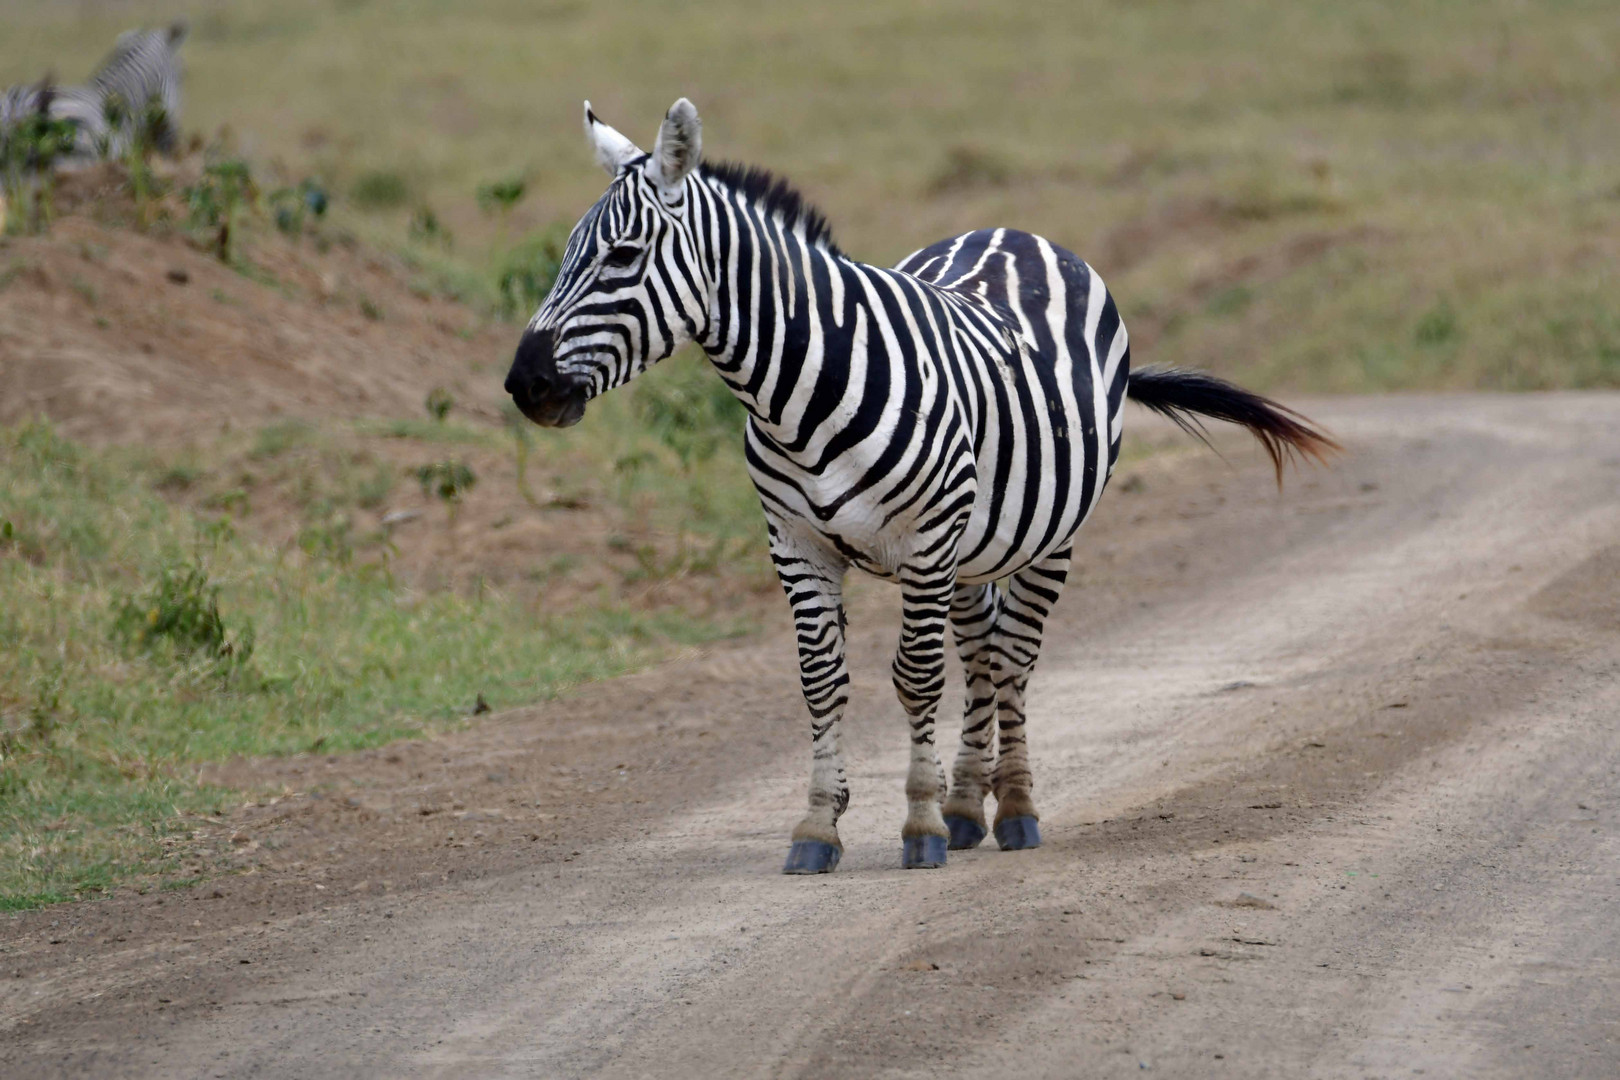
(1183, 396)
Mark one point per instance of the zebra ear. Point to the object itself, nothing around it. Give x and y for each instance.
(679, 146)
(613, 151)
(177, 32)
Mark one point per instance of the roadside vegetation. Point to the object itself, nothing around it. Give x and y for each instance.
(140, 640)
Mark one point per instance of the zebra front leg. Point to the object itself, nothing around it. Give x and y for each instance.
(973, 617)
(919, 679)
(815, 591)
(1028, 600)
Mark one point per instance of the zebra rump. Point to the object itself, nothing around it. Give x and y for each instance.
(19, 105)
(17, 102)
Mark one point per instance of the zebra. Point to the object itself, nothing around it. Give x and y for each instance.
(19, 105)
(947, 425)
(18, 102)
(136, 89)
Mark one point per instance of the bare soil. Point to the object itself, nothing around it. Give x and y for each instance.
(123, 337)
(119, 335)
(1330, 782)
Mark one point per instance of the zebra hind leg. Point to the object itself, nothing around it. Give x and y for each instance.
(973, 617)
(1028, 600)
(919, 680)
(815, 593)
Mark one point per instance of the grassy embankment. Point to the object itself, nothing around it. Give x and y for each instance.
(140, 640)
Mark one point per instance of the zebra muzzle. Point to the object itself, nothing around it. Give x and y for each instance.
(541, 392)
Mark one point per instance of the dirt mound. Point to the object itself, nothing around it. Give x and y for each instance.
(288, 390)
(119, 335)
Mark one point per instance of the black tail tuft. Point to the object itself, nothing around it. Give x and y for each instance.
(1183, 396)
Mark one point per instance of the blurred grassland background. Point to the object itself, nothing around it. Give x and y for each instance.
(1344, 196)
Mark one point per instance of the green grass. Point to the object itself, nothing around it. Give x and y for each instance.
(431, 431)
(108, 704)
(1350, 165)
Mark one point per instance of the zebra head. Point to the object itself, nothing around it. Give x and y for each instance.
(631, 287)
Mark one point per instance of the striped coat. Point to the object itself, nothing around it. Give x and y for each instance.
(137, 87)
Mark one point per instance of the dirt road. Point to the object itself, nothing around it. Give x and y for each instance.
(1330, 784)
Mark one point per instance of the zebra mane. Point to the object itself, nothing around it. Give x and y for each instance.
(774, 195)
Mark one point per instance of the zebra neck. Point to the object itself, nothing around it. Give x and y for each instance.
(775, 290)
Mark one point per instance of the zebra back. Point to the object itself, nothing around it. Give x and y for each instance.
(139, 83)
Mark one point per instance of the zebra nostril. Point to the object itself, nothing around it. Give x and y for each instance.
(534, 375)
(540, 385)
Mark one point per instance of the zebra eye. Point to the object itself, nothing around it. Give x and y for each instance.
(622, 257)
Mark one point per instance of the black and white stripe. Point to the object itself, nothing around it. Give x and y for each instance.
(20, 104)
(17, 103)
(948, 425)
(139, 84)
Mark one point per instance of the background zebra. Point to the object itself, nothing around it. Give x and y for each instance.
(136, 90)
(947, 425)
(20, 150)
(139, 84)
(17, 102)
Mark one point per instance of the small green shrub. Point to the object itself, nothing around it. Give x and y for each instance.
(439, 403)
(331, 539)
(1230, 301)
(145, 131)
(380, 189)
(426, 228)
(180, 610)
(502, 195)
(1437, 326)
(689, 410)
(448, 480)
(522, 445)
(28, 155)
(525, 274)
(968, 168)
(231, 501)
(179, 476)
(372, 491)
(291, 208)
(276, 439)
(216, 201)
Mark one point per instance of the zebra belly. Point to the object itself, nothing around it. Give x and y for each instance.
(1023, 520)
(877, 528)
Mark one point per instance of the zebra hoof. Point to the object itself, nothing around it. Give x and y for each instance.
(1018, 833)
(812, 857)
(923, 852)
(965, 832)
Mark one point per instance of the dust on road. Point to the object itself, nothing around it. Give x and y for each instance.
(1329, 780)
